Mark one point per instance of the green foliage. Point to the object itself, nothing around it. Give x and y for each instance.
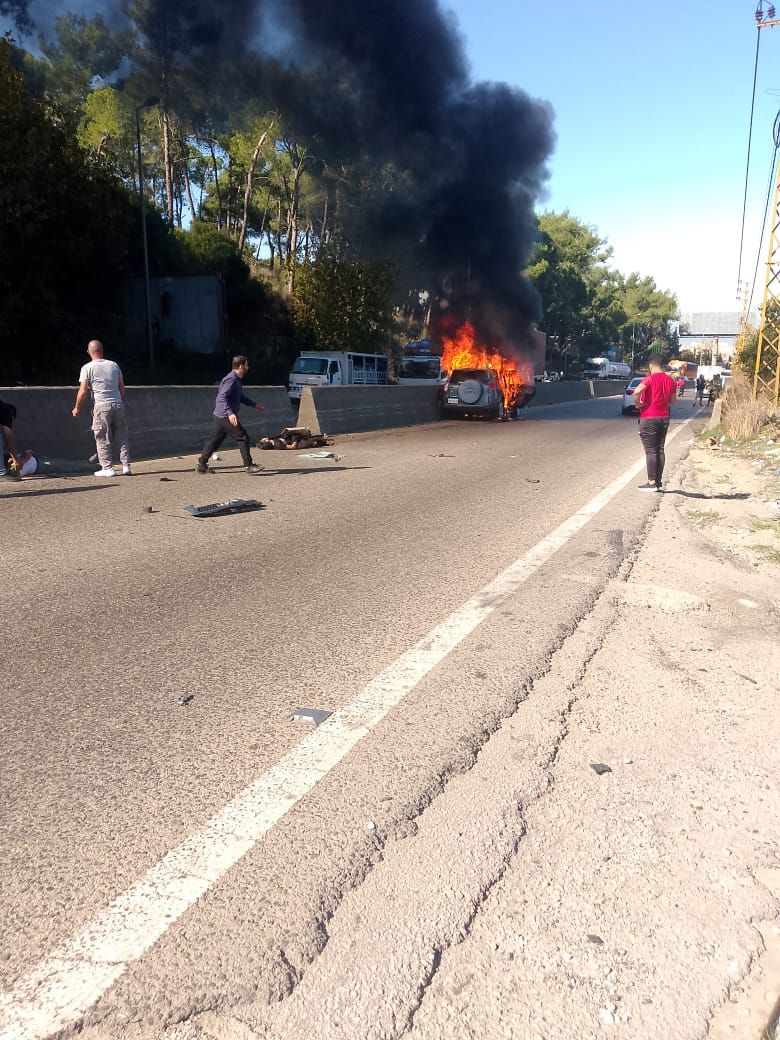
(587, 306)
(65, 225)
(745, 360)
(107, 128)
(344, 304)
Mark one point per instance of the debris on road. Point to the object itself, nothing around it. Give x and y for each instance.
(593, 938)
(369, 825)
(185, 698)
(294, 437)
(600, 768)
(320, 455)
(441, 455)
(532, 480)
(314, 715)
(166, 479)
(233, 505)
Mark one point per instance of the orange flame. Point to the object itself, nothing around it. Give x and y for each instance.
(462, 350)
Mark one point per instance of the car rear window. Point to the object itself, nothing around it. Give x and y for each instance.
(461, 374)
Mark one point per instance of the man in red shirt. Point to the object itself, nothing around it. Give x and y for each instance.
(653, 397)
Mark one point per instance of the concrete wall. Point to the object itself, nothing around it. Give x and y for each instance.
(174, 420)
(358, 409)
(163, 420)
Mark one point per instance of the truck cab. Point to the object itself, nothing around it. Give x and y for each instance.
(335, 368)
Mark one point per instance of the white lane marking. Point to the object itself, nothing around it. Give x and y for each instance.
(59, 991)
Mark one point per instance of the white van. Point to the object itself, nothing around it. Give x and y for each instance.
(335, 368)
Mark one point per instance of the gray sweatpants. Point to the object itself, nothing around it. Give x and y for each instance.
(109, 425)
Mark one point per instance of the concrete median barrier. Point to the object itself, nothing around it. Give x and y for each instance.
(163, 420)
(560, 393)
(360, 409)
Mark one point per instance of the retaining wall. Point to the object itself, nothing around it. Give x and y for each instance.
(163, 420)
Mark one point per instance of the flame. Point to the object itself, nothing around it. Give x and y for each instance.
(462, 350)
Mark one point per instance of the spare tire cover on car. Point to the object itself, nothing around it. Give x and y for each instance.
(470, 391)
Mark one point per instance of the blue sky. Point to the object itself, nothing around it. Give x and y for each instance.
(652, 109)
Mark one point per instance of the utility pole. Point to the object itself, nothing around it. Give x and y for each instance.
(149, 103)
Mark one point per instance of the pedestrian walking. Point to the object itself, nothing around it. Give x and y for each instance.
(701, 383)
(230, 397)
(654, 395)
(103, 379)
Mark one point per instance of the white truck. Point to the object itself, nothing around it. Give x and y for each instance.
(335, 368)
(603, 368)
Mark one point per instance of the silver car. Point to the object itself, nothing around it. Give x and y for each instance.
(473, 391)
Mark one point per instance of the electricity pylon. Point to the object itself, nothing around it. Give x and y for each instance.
(766, 379)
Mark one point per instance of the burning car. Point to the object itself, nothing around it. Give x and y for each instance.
(482, 381)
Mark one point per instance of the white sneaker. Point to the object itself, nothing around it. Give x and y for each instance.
(110, 472)
(126, 471)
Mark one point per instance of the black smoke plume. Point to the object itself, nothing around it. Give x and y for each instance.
(384, 85)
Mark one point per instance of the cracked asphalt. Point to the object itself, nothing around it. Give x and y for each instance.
(463, 872)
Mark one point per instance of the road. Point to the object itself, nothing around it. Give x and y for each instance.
(112, 613)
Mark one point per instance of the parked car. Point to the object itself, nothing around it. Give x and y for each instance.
(473, 391)
(628, 395)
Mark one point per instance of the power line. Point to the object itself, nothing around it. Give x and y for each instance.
(747, 161)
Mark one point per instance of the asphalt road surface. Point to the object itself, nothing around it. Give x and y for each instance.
(112, 615)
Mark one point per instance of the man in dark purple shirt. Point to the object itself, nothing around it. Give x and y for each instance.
(230, 397)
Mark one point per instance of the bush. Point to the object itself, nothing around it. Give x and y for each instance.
(742, 415)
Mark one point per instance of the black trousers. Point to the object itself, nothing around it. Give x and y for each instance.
(652, 433)
(222, 429)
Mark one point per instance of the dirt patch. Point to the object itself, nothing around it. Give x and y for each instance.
(731, 493)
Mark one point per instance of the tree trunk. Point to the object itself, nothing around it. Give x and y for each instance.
(216, 184)
(167, 165)
(188, 185)
(324, 224)
(249, 187)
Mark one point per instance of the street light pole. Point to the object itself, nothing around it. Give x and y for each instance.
(149, 103)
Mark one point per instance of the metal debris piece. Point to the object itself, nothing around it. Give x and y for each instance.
(315, 715)
(596, 939)
(233, 505)
(441, 455)
(532, 480)
(320, 455)
(185, 698)
(151, 509)
(166, 479)
(600, 767)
